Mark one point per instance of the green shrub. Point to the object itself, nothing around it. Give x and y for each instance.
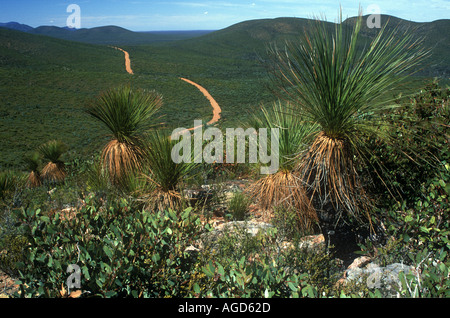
(164, 176)
(242, 265)
(121, 251)
(419, 129)
(286, 220)
(257, 279)
(11, 251)
(10, 183)
(97, 178)
(238, 206)
(431, 278)
(424, 224)
(416, 211)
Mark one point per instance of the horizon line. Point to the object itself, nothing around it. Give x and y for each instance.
(186, 30)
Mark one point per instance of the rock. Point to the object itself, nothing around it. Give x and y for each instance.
(385, 279)
(233, 228)
(313, 242)
(359, 262)
(198, 195)
(8, 285)
(192, 251)
(250, 227)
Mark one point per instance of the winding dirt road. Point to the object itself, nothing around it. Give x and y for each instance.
(127, 60)
(216, 108)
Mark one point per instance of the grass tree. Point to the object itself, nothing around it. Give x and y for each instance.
(128, 115)
(339, 84)
(9, 183)
(283, 188)
(55, 169)
(34, 177)
(163, 174)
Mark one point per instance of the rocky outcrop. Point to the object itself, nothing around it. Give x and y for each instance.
(385, 279)
(239, 228)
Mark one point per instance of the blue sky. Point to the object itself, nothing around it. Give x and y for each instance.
(139, 15)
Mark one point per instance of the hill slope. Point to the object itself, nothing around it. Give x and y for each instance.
(436, 36)
(250, 39)
(16, 26)
(45, 81)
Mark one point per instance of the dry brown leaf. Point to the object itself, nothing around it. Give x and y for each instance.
(75, 294)
(63, 291)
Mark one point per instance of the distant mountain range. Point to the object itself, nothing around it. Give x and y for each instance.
(110, 35)
(16, 26)
(247, 39)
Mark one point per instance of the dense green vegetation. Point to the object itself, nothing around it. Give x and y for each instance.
(44, 81)
(134, 238)
(40, 75)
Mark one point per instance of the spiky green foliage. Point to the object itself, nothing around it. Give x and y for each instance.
(128, 115)
(32, 161)
(295, 134)
(284, 188)
(52, 151)
(164, 175)
(339, 86)
(7, 183)
(335, 83)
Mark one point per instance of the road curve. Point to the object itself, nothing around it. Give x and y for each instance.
(216, 108)
(127, 60)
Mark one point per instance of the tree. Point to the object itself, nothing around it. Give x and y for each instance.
(55, 170)
(334, 82)
(164, 176)
(283, 188)
(34, 178)
(128, 115)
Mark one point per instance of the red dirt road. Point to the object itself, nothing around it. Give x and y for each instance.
(216, 108)
(127, 60)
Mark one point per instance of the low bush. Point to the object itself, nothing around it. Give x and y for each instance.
(11, 251)
(11, 183)
(431, 277)
(238, 206)
(239, 264)
(121, 252)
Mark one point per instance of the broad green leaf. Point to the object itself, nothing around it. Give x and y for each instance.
(220, 270)
(292, 286)
(108, 251)
(156, 257)
(196, 288)
(408, 218)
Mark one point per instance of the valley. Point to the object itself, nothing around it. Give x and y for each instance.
(45, 82)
